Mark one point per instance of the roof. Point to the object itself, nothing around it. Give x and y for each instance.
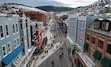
(91, 27)
(90, 20)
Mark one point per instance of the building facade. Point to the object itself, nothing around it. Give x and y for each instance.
(98, 42)
(24, 26)
(71, 30)
(76, 28)
(11, 47)
(25, 39)
(15, 39)
(36, 16)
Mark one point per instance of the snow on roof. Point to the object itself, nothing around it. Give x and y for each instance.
(82, 18)
(27, 8)
(61, 14)
(100, 18)
(4, 15)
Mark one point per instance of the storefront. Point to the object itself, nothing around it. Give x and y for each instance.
(12, 57)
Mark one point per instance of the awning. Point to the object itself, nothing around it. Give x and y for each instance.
(86, 46)
(12, 55)
(106, 62)
(97, 55)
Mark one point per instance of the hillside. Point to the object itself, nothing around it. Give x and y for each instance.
(54, 8)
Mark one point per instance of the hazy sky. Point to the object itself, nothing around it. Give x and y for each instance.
(66, 3)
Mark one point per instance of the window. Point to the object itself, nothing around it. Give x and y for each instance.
(9, 47)
(1, 32)
(81, 34)
(21, 26)
(36, 25)
(17, 27)
(105, 26)
(109, 48)
(82, 25)
(100, 44)
(7, 32)
(15, 43)
(93, 40)
(4, 50)
(26, 25)
(20, 20)
(27, 36)
(13, 28)
(22, 39)
(18, 41)
(26, 20)
(33, 17)
(88, 37)
(97, 24)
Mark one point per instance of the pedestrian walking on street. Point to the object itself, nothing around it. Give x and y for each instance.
(60, 56)
(51, 45)
(52, 63)
(47, 51)
(62, 53)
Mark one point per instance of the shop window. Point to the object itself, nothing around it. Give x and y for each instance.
(109, 48)
(93, 40)
(88, 37)
(100, 44)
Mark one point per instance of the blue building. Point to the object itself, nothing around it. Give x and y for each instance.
(15, 41)
(10, 46)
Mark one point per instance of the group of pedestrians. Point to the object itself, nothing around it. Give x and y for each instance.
(61, 55)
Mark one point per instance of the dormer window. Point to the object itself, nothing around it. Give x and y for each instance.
(97, 24)
(105, 25)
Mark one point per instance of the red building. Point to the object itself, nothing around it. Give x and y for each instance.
(35, 16)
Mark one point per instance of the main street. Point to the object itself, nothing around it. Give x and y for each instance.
(57, 52)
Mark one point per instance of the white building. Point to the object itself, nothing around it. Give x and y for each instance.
(76, 29)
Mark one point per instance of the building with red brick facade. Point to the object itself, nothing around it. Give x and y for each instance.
(98, 42)
(36, 16)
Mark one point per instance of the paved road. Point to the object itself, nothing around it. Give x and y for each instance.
(54, 60)
(64, 61)
(56, 57)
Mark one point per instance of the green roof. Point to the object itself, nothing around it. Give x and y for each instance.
(106, 62)
(97, 55)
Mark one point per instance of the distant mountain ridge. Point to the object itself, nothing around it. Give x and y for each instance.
(54, 8)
